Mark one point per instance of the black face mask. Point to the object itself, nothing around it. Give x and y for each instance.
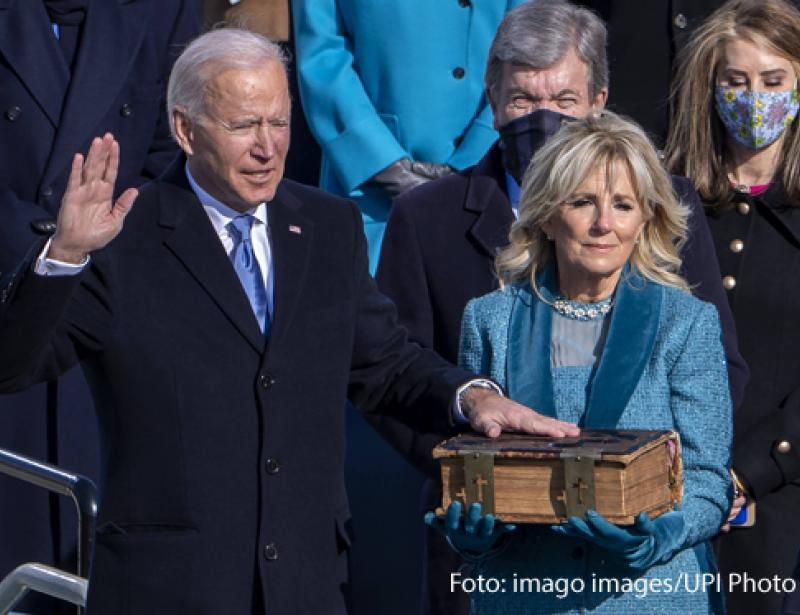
(521, 138)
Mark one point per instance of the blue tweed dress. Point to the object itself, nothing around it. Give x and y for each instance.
(662, 367)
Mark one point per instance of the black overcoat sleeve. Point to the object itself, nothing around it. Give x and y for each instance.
(418, 381)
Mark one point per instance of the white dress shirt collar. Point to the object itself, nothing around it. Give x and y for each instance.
(219, 213)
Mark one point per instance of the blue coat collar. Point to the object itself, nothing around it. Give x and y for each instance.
(631, 337)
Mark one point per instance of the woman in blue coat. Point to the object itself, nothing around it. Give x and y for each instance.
(593, 324)
(384, 82)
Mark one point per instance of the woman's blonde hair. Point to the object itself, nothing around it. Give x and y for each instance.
(696, 140)
(560, 167)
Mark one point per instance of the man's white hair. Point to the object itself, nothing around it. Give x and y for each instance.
(209, 55)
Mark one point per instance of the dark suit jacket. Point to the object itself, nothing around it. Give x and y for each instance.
(46, 115)
(223, 455)
(643, 39)
(438, 253)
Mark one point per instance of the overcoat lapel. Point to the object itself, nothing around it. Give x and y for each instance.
(631, 337)
(194, 242)
(291, 235)
(112, 34)
(528, 360)
(628, 348)
(486, 198)
(29, 46)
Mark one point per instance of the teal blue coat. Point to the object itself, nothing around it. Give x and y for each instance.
(377, 83)
(662, 367)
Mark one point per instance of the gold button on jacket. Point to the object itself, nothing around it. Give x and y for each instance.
(729, 282)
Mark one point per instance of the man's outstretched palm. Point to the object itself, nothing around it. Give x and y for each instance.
(89, 217)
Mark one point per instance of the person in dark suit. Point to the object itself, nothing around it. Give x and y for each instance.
(221, 332)
(735, 133)
(70, 69)
(442, 238)
(643, 40)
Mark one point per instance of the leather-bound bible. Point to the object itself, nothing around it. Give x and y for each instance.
(531, 479)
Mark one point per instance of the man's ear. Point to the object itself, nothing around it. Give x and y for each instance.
(184, 130)
(599, 101)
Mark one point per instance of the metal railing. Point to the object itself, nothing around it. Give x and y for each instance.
(44, 579)
(39, 577)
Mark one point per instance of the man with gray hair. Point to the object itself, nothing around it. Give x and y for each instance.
(221, 330)
(547, 64)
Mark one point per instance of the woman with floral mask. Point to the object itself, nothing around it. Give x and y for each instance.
(734, 133)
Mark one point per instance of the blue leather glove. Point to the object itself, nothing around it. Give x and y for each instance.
(474, 537)
(649, 542)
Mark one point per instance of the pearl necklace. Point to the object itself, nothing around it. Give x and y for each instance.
(583, 311)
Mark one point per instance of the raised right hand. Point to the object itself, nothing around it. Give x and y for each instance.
(89, 217)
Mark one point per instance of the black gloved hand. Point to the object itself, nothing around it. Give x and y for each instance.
(404, 175)
(431, 170)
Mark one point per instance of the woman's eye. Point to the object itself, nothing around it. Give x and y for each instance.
(580, 202)
(623, 206)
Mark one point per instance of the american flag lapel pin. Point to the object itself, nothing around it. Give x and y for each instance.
(293, 228)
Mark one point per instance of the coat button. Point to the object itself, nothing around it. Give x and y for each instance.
(681, 21)
(744, 208)
(47, 191)
(784, 446)
(729, 282)
(737, 245)
(13, 113)
(272, 465)
(266, 380)
(464, 4)
(125, 110)
(459, 72)
(271, 552)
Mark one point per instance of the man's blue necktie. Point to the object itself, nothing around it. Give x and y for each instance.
(246, 265)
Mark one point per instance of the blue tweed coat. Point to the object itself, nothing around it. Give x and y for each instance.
(662, 367)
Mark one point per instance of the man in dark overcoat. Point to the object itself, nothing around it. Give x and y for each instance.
(441, 239)
(221, 331)
(70, 69)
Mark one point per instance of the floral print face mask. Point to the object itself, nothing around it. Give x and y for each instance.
(756, 119)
